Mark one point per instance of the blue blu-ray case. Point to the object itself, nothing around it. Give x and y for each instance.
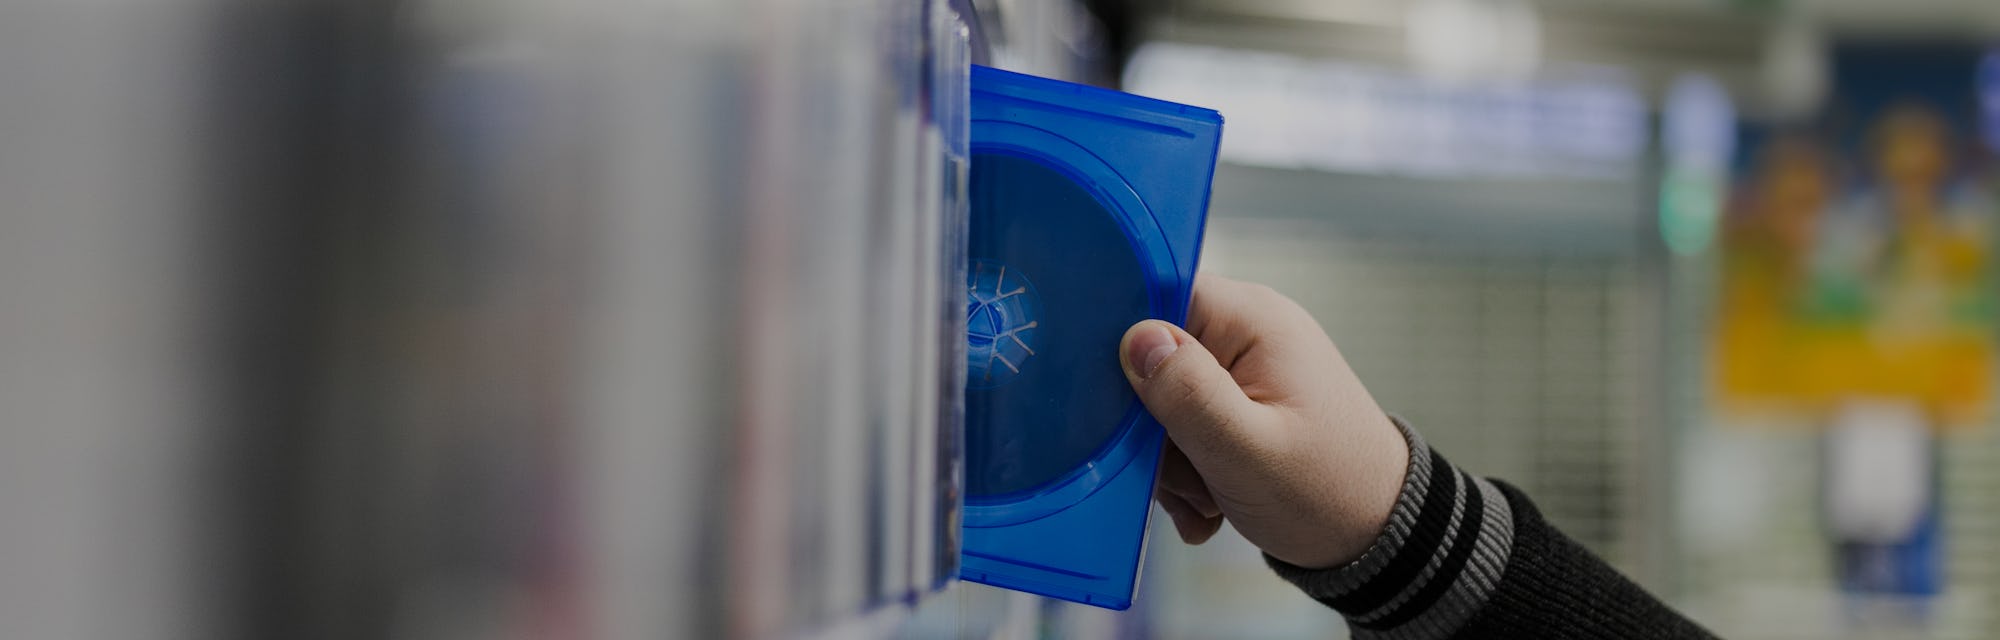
(1087, 212)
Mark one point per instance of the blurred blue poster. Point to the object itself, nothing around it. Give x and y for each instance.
(1858, 292)
(1916, 224)
(1857, 252)
(1911, 239)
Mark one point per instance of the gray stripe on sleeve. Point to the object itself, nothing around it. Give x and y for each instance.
(1473, 585)
(1454, 526)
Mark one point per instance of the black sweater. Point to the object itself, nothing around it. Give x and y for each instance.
(1465, 557)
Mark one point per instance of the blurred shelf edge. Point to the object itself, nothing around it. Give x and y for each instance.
(1583, 216)
(1654, 40)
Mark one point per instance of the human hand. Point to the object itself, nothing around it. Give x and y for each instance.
(1267, 427)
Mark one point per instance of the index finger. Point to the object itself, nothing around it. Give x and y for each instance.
(1231, 316)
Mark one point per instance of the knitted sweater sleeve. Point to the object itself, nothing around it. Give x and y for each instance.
(1465, 557)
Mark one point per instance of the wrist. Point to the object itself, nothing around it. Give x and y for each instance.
(1351, 488)
(1378, 475)
(1448, 541)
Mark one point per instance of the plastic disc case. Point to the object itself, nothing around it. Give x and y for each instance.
(1087, 211)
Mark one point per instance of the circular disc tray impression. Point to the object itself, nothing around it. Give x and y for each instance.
(1054, 282)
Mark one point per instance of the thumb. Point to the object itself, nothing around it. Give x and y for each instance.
(1187, 390)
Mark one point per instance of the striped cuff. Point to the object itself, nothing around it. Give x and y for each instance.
(1434, 565)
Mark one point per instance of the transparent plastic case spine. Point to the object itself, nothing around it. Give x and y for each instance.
(950, 99)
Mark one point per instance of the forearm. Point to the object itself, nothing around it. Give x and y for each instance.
(1463, 557)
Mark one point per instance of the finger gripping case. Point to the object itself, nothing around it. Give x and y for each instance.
(1087, 213)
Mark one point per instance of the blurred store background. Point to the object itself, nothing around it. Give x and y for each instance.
(450, 319)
